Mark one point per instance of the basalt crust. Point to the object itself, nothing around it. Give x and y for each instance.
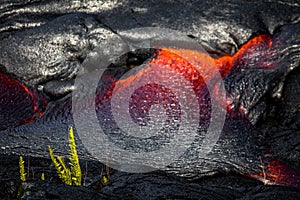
(255, 45)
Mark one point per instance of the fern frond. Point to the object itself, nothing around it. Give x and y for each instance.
(72, 175)
(65, 173)
(62, 171)
(22, 169)
(56, 164)
(104, 180)
(74, 161)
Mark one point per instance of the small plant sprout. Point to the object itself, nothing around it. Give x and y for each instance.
(74, 161)
(68, 176)
(104, 180)
(43, 176)
(22, 169)
(61, 169)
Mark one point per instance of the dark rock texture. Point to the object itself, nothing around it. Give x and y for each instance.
(44, 43)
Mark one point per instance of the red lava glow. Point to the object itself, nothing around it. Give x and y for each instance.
(257, 44)
(184, 62)
(277, 173)
(23, 104)
(19, 104)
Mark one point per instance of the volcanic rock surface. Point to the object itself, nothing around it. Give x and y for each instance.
(43, 45)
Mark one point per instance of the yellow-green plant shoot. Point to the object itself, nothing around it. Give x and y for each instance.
(74, 161)
(104, 180)
(22, 169)
(62, 171)
(73, 175)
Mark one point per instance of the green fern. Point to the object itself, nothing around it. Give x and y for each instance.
(74, 161)
(73, 175)
(22, 169)
(104, 180)
(61, 169)
(43, 176)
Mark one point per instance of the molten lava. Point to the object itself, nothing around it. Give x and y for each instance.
(277, 173)
(19, 104)
(199, 68)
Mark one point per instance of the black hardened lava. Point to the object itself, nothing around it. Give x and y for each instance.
(255, 45)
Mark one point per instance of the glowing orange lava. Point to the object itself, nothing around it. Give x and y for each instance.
(197, 67)
(277, 173)
(18, 102)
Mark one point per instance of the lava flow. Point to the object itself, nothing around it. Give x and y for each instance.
(184, 61)
(19, 103)
(277, 173)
